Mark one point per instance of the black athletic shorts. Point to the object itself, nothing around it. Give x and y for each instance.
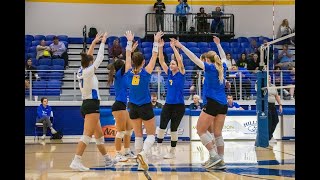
(144, 111)
(214, 108)
(90, 106)
(118, 106)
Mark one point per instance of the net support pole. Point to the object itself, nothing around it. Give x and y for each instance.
(262, 139)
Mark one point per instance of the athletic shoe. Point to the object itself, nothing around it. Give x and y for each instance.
(213, 161)
(77, 165)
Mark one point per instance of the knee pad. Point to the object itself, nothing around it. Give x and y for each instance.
(100, 140)
(85, 139)
(210, 135)
(160, 134)
(219, 141)
(138, 142)
(120, 134)
(129, 132)
(174, 136)
(205, 139)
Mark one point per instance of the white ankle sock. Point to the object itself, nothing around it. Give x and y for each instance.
(127, 150)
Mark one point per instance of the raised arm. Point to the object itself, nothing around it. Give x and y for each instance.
(161, 57)
(100, 55)
(93, 44)
(155, 50)
(178, 57)
(130, 36)
(190, 54)
(221, 51)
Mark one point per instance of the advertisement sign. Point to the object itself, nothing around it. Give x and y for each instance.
(235, 127)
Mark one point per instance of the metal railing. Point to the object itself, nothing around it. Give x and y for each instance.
(58, 83)
(189, 24)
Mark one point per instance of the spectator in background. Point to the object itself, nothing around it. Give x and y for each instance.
(217, 25)
(195, 77)
(285, 58)
(154, 80)
(154, 99)
(159, 7)
(285, 29)
(243, 61)
(233, 105)
(253, 64)
(116, 50)
(196, 103)
(230, 61)
(59, 51)
(182, 9)
(44, 112)
(254, 48)
(43, 51)
(202, 24)
(135, 48)
(30, 68)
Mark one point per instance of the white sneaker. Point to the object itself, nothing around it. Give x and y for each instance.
(43, 137)
(130, 155)
(109, 162)
(205, 163)
(120, 158)
(141, 157)
(171, 154)
(77, 165)
(213, 161)
(53, 131)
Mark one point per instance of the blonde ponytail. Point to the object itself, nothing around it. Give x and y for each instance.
(214, 58)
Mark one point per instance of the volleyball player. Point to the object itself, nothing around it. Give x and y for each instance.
(88, 83)
(119, 109)
(174, 107)
(139, 97)
(216, 108)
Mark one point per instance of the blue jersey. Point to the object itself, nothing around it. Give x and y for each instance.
(43, 111)
(233, 105)
(120, 86)
(213, 88)
(139, 92)
(204, 93)
(175, 84)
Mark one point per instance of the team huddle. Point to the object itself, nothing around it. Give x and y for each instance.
(133, 74)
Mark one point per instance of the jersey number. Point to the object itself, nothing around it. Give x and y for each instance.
(170, 82)
(135, 80)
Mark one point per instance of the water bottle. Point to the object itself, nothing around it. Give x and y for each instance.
(249, 107)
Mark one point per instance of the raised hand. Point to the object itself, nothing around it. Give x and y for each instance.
(134, 46)
(98, 38)
(104, 37)
(129, 35)
(176, 43)
(161, 43)
(216, 40)
(158, 36)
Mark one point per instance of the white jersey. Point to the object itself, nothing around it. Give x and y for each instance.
(88, 81)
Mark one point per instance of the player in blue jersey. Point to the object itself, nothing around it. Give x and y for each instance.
(174, 107)
(139, 97)
(216, 108)
(119, 109)
(90, 108)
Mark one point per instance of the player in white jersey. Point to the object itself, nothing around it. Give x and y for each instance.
(88, 83)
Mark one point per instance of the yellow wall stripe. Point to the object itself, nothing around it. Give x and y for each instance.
(174, 2)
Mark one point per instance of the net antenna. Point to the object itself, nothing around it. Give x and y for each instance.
(266, 46)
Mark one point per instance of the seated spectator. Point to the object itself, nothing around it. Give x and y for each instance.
(43, 51)
(285, 58)
(202, 24)
(154, 80)
(30, 68)
(196, 103)
(116, 50)
(26, 84)
(44, 113)
(233, 105)
(254, 48)
(217, 25)
(154, 99)
(230, 62)
(292, 80)
(243, 61)
(253, 64)
(59, 51)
